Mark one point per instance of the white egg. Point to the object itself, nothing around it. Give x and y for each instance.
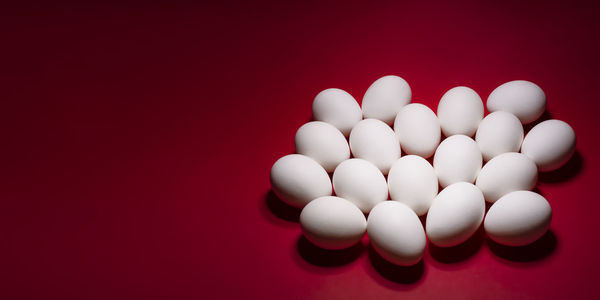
(498, 133)
(376, 142)
(322, 142)
(385, 97)
(396, 233)
(413, 182)
(332, 223)
(457, 159)
(506, 173)
(460, 110)
(337, 108)
(298, 179)
(455, 214)
(524, 99)
(518, 218)
(361, 183)
(550, 144)
(417, 129)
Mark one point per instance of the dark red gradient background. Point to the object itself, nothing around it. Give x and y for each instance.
(137, 141)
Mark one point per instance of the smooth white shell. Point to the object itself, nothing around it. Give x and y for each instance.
(418, 130)
(457, 159)
(396, 233)
(506, 173)
(518, 218)
(413, 182)
(385, 97)
(322, 142)
(361, 183)
(455, 214)
(498, 133)
(298, 179)
(550, 144)
(332, 223)
(460, 110)
(337, 108)
(376, 142)
(524, 99)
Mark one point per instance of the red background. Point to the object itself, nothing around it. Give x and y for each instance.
(137, 141)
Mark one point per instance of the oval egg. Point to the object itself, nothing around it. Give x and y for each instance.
(338, 108)
(385, 97)
(460, 110)
(332, 223)
(376, 142)
(418, 130)
(498, 133)
(361, 183)
(322, 142)
(522, 98)
(396, 233)
(506, 173)
(457, 159)
(412, 181)
(455, 214)
(550, 144)
(518, 218)
(298, 179)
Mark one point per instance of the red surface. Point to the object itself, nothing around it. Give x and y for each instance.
(137, 141)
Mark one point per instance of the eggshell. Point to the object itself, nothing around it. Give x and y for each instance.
(550, 144)
(376, 142)
(506, 173)
(322, 142)
(460, 110)
(518, 218)
(385, 97)
(524, 99)
(332, 223)
(417, 129)
(498, 133)
(361, 183)
(298, 179)
(396, 233)
(457, 159)
(455, 214)
(412, 181)
(337, 108)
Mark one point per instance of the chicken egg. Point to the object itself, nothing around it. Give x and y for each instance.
(385, 97)
(396, 233)
(338, 108)
(322, 142)
(375, 141)
(418, 130)
(332, 223)
(361, 183)
(298, 179)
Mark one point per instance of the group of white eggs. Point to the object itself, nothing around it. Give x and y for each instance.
(516, 217)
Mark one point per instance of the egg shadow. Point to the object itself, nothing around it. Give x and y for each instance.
(394, 276)
(538, 250)
(319, 257)
(564, 173)
(544, 117)
(458, 253)
(278, 212)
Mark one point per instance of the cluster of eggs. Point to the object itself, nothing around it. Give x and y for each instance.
(342, 129)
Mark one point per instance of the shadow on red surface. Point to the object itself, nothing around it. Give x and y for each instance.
(278, 212)
(536, 251)
(327, 258)
(460, 252)
(393, 276)
(564, 173)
